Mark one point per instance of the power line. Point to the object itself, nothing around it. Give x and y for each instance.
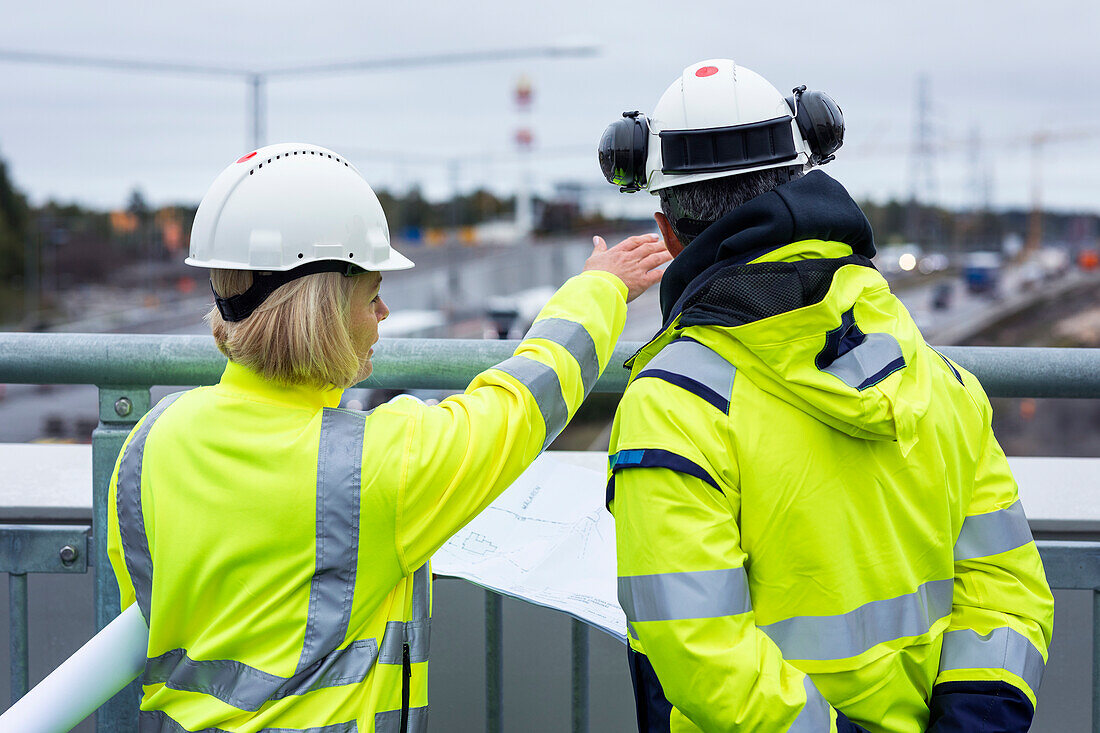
(444, 159)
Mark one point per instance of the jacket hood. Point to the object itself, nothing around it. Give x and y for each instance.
(809, 321)
(811, 207)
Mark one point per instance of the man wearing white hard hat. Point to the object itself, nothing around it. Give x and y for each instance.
(816, 528)
(277, 545)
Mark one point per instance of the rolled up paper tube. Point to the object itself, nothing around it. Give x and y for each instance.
(109, 661)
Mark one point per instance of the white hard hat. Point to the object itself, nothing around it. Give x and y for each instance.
(288, 205)
(716, 93)
(719, 119)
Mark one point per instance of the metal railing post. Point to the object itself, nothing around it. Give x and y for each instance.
(119, 409)
(580, 676)
(34, 548)
(1096, 660)
(494, 663)
(20, 660)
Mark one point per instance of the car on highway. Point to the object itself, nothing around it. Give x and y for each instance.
(982, 272)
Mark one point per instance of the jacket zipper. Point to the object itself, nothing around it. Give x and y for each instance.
(406, 677)
(629, 363)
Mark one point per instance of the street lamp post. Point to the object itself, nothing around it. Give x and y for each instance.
(258, 85)
(256, 79)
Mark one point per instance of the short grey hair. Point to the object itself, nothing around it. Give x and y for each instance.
(709, 201)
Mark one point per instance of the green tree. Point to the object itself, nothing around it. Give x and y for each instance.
(14, 221)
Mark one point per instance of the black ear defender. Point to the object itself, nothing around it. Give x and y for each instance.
(820, 121)
(623, 151)
(624, 146)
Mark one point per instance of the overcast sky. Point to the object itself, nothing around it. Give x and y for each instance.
(1005, 70)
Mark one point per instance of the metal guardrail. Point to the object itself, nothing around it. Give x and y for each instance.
(124, 367)
(114, 359)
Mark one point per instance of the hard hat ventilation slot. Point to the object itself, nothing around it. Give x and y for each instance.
(336, 158)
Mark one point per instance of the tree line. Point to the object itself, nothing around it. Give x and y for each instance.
(65, 244)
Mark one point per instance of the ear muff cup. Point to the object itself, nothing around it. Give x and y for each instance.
(820, 121)
(623, 149)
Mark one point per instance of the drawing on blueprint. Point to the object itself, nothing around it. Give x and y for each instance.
(547, 540)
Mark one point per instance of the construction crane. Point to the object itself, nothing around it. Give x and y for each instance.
(1038, 141)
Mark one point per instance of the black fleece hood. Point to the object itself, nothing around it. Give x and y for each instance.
(812, 207)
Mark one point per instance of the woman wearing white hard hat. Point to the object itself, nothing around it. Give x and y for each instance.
(277, 545)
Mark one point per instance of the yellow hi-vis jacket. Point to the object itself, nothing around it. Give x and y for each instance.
(278, 546)
(813, 515)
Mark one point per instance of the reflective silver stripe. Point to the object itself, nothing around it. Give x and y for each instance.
(421, 596)
(248, 688)
(542, 381)
(868, 363)
(672, 596)
(697, 362)
(320, 664)
(576, 340)
(390, 721)
(156, 721)
(849, 634)
(1002, 648)
(131, 520)
(815, 716)
(416, 631)
(392, 641)
(339, 473)
(988, 534)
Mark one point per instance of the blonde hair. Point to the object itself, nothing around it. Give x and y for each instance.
(299, 335)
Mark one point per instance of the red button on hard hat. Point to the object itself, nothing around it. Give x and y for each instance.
(707, 71)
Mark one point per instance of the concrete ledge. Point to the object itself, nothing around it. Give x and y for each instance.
(44, 483)
(53, 484)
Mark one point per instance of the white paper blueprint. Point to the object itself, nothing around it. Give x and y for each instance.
(547, 540)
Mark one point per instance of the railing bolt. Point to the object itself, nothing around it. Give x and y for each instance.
(123, 406)
(68, 555)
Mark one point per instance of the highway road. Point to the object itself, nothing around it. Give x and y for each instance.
(68, 412)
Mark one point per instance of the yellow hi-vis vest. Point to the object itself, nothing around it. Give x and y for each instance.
(813, 515)
(278, 546)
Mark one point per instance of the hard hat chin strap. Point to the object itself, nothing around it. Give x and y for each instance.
(239, 307)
